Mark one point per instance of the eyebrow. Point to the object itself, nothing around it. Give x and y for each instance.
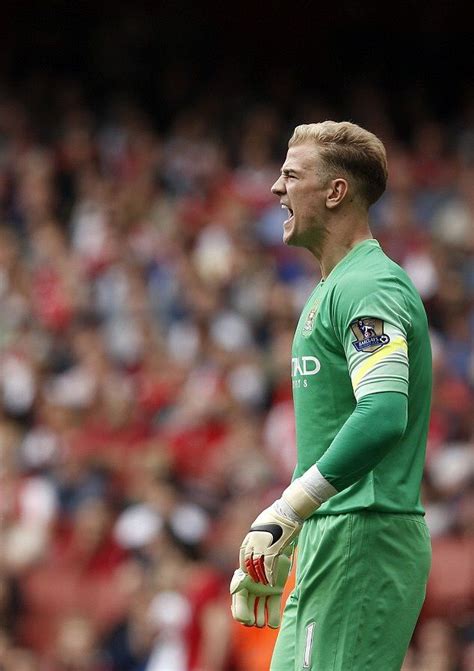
(286, 171)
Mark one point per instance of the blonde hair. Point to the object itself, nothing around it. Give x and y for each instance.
(350, 148)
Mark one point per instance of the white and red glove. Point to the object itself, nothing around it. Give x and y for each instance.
(257, 605)
(277, 526)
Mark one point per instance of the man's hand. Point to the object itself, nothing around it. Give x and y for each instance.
(254, 604)
(277, 526)
(269, 535)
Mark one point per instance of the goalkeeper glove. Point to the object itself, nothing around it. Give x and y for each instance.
(254, 604)
(277, 526)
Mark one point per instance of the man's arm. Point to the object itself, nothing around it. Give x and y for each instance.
(369, 434)
(372, 327)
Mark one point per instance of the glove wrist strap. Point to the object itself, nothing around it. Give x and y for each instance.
(307, 493)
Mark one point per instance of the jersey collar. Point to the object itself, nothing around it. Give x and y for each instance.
(360, 246)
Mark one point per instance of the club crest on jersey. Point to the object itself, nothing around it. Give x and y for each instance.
(309, 323)
(369, 334)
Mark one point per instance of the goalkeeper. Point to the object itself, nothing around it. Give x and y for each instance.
(361, 373)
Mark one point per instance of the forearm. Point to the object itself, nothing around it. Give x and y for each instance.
(370, 433)
(373, 429)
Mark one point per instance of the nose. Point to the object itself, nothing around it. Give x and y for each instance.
(278, 189)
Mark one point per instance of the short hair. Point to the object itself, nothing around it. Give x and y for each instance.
(345, 146)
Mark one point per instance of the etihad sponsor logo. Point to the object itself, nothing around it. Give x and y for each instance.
(304, 365)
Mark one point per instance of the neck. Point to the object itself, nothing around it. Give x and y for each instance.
(338, 242)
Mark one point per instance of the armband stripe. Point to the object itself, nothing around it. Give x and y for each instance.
(396, 346)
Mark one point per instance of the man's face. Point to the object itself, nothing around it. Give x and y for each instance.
(302, 189)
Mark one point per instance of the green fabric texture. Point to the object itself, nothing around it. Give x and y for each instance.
(338, 361)
(371, 432)
(360, 585)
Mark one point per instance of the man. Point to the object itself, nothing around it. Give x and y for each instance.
(361, 369)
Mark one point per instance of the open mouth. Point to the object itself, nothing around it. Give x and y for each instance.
(290, 213)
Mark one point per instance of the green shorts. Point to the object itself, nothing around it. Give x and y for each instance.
(360, 585)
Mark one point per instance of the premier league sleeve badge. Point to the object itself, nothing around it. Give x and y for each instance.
(369, 333)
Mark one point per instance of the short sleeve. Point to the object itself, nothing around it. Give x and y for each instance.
(372, 323)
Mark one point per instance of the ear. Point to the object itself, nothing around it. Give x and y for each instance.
(336, 192)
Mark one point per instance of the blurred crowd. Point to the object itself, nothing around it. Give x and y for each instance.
(147, 309)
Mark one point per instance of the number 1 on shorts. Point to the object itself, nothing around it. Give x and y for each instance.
(308, 646)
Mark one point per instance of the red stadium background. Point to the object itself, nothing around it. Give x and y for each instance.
(147, 308)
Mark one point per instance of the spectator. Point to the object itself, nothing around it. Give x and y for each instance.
(147, 309)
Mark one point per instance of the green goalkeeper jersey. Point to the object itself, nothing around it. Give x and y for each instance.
(363, 331)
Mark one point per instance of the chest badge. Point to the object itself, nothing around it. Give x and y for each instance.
(309, 323)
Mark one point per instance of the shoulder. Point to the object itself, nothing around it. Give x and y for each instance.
(353, 287)
(373, 274)
(379, 292)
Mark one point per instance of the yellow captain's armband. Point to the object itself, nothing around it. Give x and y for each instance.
(396, 346)
(377, 353)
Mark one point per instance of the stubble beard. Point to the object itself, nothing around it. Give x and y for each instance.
(312, 239)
